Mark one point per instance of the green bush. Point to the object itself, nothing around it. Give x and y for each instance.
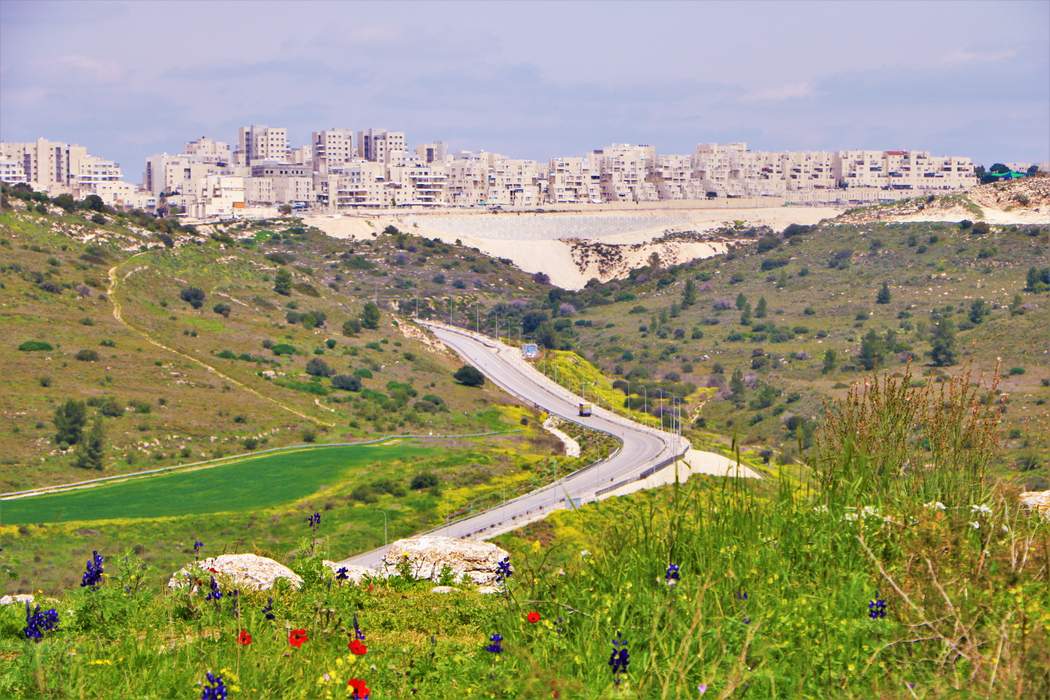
(35, 346)
(469, 376)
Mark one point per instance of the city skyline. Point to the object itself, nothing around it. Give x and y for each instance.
(804, 77)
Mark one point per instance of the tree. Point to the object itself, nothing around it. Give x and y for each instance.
(425, 480)
(222, 309)
(69, 422)
(745, 315)
(90, 450)
(872, 351)
(760, 308)
(319, 368)
(883, 297)
(351, 327)
(94, 203)
(741, 301)
(942, 350)
(282, 282)
(469, 376)
(285, 209)
(978, 310)
(689, 294)
(370, 316)
(346, 382)
(66, 202)
(194, 296)
(830, 361)
(736, 386)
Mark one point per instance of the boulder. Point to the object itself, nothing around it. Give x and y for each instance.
(427, 557)
(247, 571)
(1039, 501)
(19, 598)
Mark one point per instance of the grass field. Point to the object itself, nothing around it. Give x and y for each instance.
(245, 484)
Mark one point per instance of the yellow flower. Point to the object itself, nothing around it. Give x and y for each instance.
(100, 662)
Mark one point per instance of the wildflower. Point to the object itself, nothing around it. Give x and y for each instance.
(496, 645)
(741, 595)
(672, 576)
(268, 610)
(584, 553)
(702, 688)
(504, 570)
(360, 688)
(314, 520)
(215, 593)
(981, 509)
(215, 689)
(244, 639)
(934, 505)
(297, 637)
(619, 658)
(357, 647)
(975, 525)
(358, 634)
(533, 617)
(342, 574)
(93, 571)
(37, 622)
(877, 608)
(197, 547)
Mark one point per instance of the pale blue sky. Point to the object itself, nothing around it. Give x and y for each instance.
(534, 80)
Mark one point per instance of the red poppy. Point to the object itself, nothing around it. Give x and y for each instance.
(533, 617)
(244, 639)
(297, 637)
(357, 647)
(361, 689)
(212, 570)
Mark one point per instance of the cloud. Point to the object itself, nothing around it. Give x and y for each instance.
(780, 93)
(964, 56)
(94, 69)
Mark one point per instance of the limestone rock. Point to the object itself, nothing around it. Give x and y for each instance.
(19, 598)
(1039, 501)
(248, 571)
(443, 589)
(427, 557)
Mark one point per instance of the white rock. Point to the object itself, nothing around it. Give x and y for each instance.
(443, 589)
(20, 598)
(248, 571)
(427, 557)
(489, 590)
(1039, 501)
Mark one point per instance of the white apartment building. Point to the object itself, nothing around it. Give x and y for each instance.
(256, 143)
(12, 172)
(167, 174)
(432, 152)
(624, 169)
(94, 170)
(215, 196)
(574, 180)
(49, 166)
(331, 146)
(205, 150)
(378, 145)
(352, 185)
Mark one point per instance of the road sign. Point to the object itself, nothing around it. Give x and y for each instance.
(530, 351)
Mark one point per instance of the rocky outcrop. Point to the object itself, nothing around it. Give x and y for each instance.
(247, 571)
(428, 556)
(17, 598)
(1038, 501)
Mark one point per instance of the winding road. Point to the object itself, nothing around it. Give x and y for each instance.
(642, 451)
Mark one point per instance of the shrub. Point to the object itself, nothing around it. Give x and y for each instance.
(35, 346)
(222, 309)
(1016, 371)
(346, 382)
(87, 356)
(469, 376)
(283, 349)
(351, 327)
(319, 368)
(194, 296)
(370, 316)
(425, 480)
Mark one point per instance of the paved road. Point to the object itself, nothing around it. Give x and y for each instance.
(642, 448)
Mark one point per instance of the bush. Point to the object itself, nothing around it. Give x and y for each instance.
(222, 309)
(469, 376)
(346, 382)
(35, 346)
(426, 480)
(319, 368)
(194, 296)
(283, 349)
(980, 228)
(352, 327)
(87, 356)
(99, 219)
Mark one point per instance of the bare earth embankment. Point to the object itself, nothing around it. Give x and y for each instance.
(574, 247)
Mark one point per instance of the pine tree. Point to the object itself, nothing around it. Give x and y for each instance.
(830, 360)
(370, 316)
(69, 422)
(760, 308)
(745, 315)
(741, 300)
(883, 297)
(689, 294)
(871, 351)
(91, 448)
(282, 283)
(736, 386)
(942, 350)
(1031, 280)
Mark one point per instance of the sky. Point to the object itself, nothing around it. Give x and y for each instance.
(533, 79)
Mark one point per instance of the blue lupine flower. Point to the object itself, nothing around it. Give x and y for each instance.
(215, 689)
(215, 593)
(93, 571)
(197, 547)
(37, 622)
(496, 647)
(504, 570)
(741, 595)
(877, 608)
(314, 520)
(619, 658)
(342, 573)
(672, 576)
(358, 634)
(268, 610)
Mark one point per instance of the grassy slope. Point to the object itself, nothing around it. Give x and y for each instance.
(954, 270)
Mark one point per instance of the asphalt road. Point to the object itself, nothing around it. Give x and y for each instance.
(642, 448)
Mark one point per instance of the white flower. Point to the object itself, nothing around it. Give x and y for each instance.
(585, 553)
(981, 509)
(975, 525)
(934, 505)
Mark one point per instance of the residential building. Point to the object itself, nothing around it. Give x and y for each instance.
(331, 146)
(256, 143)
(378, 145)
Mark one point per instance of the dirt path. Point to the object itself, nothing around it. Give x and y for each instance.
(118, 314)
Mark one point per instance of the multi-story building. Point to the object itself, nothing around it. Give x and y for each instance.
(11, 171)
(205, 150)
(261, 143)
(378, 145)
(331, 147)
(624, 168)
(432, 152)
(574, 180)
(50, 166)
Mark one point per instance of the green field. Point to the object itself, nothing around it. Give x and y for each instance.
(246, 484)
